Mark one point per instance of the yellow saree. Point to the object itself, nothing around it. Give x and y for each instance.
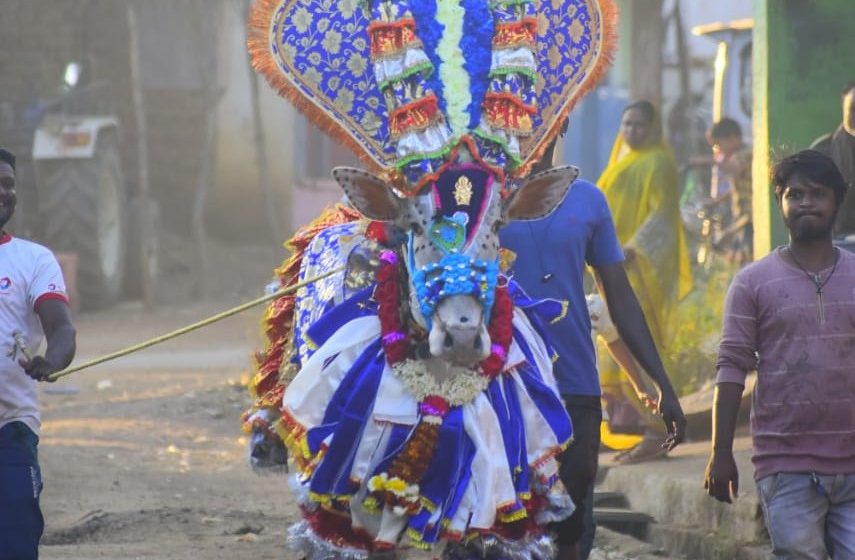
(641, 187)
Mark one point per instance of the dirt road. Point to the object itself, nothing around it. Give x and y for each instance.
(147, 459)
(144, 458)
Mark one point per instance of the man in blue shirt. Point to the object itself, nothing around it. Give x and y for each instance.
(551, 256)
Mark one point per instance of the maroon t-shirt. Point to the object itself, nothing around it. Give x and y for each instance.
(803, 408)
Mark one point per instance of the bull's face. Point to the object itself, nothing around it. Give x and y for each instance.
(452, 248)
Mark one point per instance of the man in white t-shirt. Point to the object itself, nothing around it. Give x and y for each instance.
(33, 307)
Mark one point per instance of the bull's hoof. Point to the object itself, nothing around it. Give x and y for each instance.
(267, 454)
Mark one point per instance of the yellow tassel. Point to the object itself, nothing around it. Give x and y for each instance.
(324, 499)
(427, 504)
(418, 540)
(513, 516)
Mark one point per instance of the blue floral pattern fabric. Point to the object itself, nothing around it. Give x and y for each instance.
(327, 251)
(323, 49)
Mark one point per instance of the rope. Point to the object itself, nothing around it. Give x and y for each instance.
(195, 326)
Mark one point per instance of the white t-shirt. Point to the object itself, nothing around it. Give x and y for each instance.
(29, 274)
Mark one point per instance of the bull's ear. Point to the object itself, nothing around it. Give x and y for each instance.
(540, 194)
(368, 194)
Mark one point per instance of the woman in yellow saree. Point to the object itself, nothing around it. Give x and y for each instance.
(641, 186)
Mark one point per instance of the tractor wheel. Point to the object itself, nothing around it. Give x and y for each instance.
(83, 211)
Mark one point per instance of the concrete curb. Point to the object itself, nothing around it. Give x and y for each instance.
(687, 521)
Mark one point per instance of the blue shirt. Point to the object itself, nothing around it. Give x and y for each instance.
(579, 232)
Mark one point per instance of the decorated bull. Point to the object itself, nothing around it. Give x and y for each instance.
(414, 389)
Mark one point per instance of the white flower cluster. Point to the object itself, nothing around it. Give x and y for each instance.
(461, 387)
(407, 493)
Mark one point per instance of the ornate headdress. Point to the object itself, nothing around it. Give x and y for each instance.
(406, 83)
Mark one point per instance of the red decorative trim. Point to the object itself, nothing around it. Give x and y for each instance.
(389, 39)
(5, 238)
(417, 115)
(50, 296)
(523, 527)
(272, 398)
(609, 11)
(521, 33)
(508, 112)
(295, 428)
(413, 190)
(292, 433)
(383, 546)
(337, 528)
(499, 97)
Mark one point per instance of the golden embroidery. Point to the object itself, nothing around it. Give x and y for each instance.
(577, 31)
(463, 191)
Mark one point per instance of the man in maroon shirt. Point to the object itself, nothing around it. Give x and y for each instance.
(791, 317)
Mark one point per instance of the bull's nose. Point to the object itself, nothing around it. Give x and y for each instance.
(449, 341)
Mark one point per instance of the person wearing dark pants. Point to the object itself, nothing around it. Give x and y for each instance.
(33, 308)
(578, 470)
(552, 254)
(21, 522)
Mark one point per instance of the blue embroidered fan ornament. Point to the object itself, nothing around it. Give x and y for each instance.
(405, 84)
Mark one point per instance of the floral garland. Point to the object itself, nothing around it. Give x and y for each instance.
(398, 488)
(396, 343)
(462, 385)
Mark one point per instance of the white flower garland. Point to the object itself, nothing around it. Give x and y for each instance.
(461, 387)
(454, 76)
